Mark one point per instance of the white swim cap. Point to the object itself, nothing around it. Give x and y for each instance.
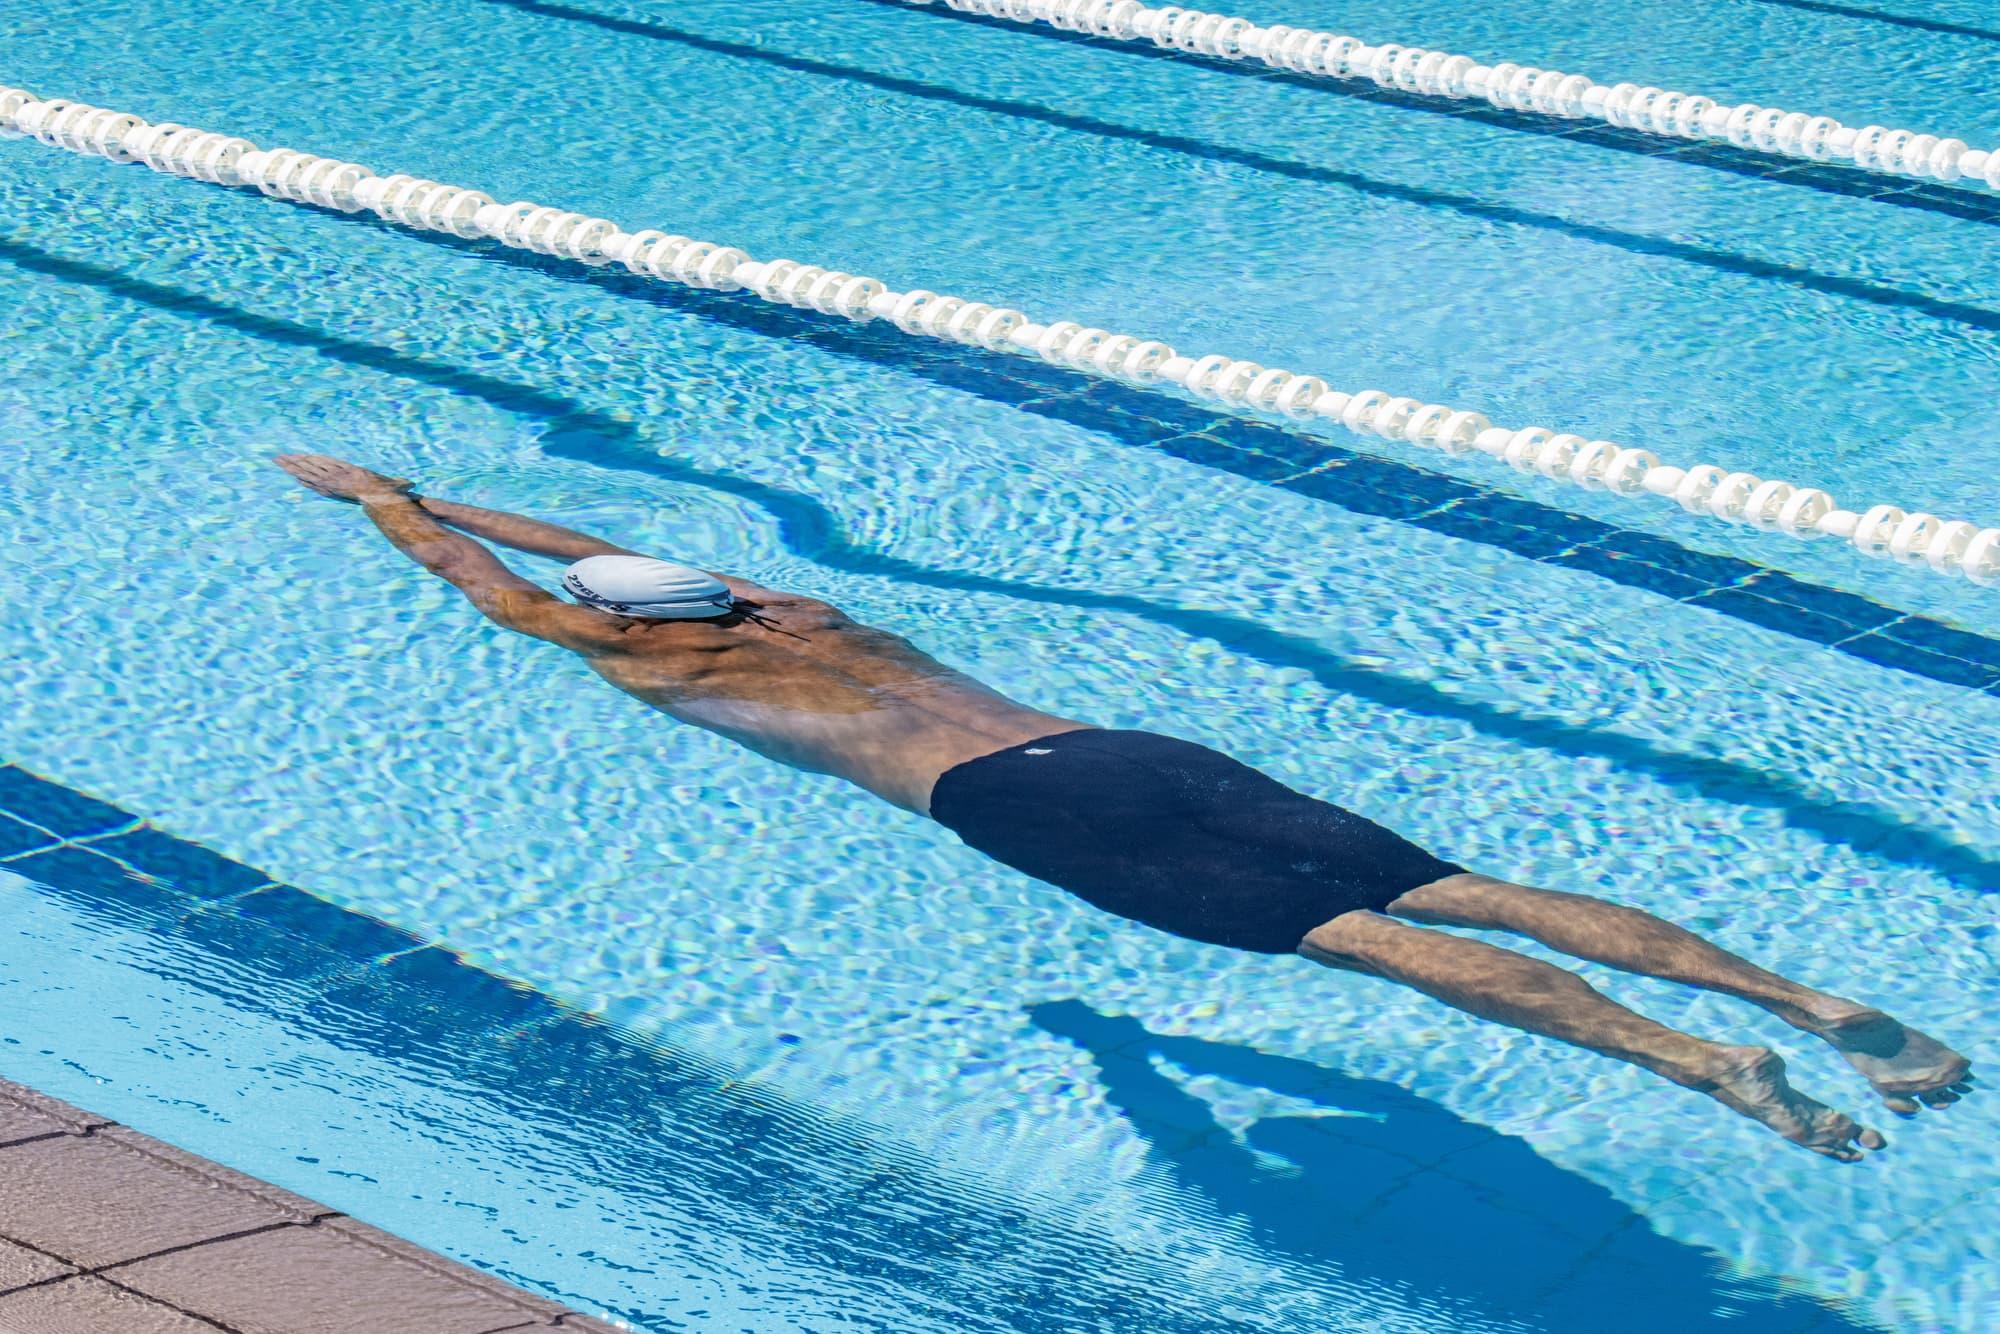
(650, 589)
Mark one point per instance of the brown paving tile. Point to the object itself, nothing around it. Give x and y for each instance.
(105, 1195)
(324, 1280)
(25, 1114)
(20, 1266)
(297, 1206)
(527, 1304)
(579, 1324)
(95, 1200)
(92, 1306)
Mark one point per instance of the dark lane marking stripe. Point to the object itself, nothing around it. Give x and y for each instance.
(1636, 243)
(1305, 465)
(875, 1209)
(810, 530)
(1823, 177)
(1882, 16)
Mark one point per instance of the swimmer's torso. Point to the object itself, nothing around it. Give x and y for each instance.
(820, 691)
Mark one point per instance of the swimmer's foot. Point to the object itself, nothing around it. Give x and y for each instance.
(1751, 1080)
(1909, 1069)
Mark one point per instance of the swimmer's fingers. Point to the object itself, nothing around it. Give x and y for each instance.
(331, 477)
(310, 470)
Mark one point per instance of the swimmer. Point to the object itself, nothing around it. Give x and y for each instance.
(1161, 831)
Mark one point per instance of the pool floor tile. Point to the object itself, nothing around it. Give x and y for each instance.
(1849, 608)
(80, 869)
(18, 836)
(1946, 640)
(325, 925)
(1213, 453)
(1535, 543)
(191, 868)
(1877, 647)
(1630, 571)
(1744, 605)
(54, 807)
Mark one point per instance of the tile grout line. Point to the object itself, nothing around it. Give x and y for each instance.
(12, 1240)
(37, 1139)
(405, 1257)
(103, 1270)
(148, 1298)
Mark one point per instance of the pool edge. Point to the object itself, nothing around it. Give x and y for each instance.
(176, 1238)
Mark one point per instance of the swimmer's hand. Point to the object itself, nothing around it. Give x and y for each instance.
(342, 481)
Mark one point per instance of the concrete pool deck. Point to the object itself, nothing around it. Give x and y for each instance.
(104, 1229)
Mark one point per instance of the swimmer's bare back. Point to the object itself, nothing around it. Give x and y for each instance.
(801, 682)
(1158, 830)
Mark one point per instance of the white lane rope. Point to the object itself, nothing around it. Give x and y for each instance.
(1946, 546)
(1509, 86)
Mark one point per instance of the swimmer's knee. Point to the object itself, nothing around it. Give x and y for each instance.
(1466, 898)
(1353, 940)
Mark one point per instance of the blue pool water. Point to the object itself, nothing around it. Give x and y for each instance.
(767, 1055)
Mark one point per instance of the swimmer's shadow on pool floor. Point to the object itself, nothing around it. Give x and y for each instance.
(1380, 1188)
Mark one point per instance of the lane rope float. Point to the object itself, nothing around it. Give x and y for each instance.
(1948, 546)
(1508, 85)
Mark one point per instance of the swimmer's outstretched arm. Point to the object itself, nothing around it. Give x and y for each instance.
(503, 596)
(552, 540)
(520, 532)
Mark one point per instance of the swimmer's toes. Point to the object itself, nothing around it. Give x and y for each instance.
(1755, 1085)
(1841, 1137)
(1909, 1069)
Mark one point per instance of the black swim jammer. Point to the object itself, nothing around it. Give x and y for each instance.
(1177, 836)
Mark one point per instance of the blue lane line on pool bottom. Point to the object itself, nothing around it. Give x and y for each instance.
(1534, 1236)
(1823, 177)
(826, 1193)
(1884, 16)
(809, 529)
(1436, 502)
(1428, 196)
(1312, 466)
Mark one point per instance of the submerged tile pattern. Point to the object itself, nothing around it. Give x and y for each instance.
(1307, 465)
(1833, 178)
(1726, 585)
(1313, 466)
(105, 1230)
(376, 988)
(1530, 1235)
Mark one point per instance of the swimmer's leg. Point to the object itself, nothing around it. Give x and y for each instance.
(1526, 993)
(1905, 1066)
